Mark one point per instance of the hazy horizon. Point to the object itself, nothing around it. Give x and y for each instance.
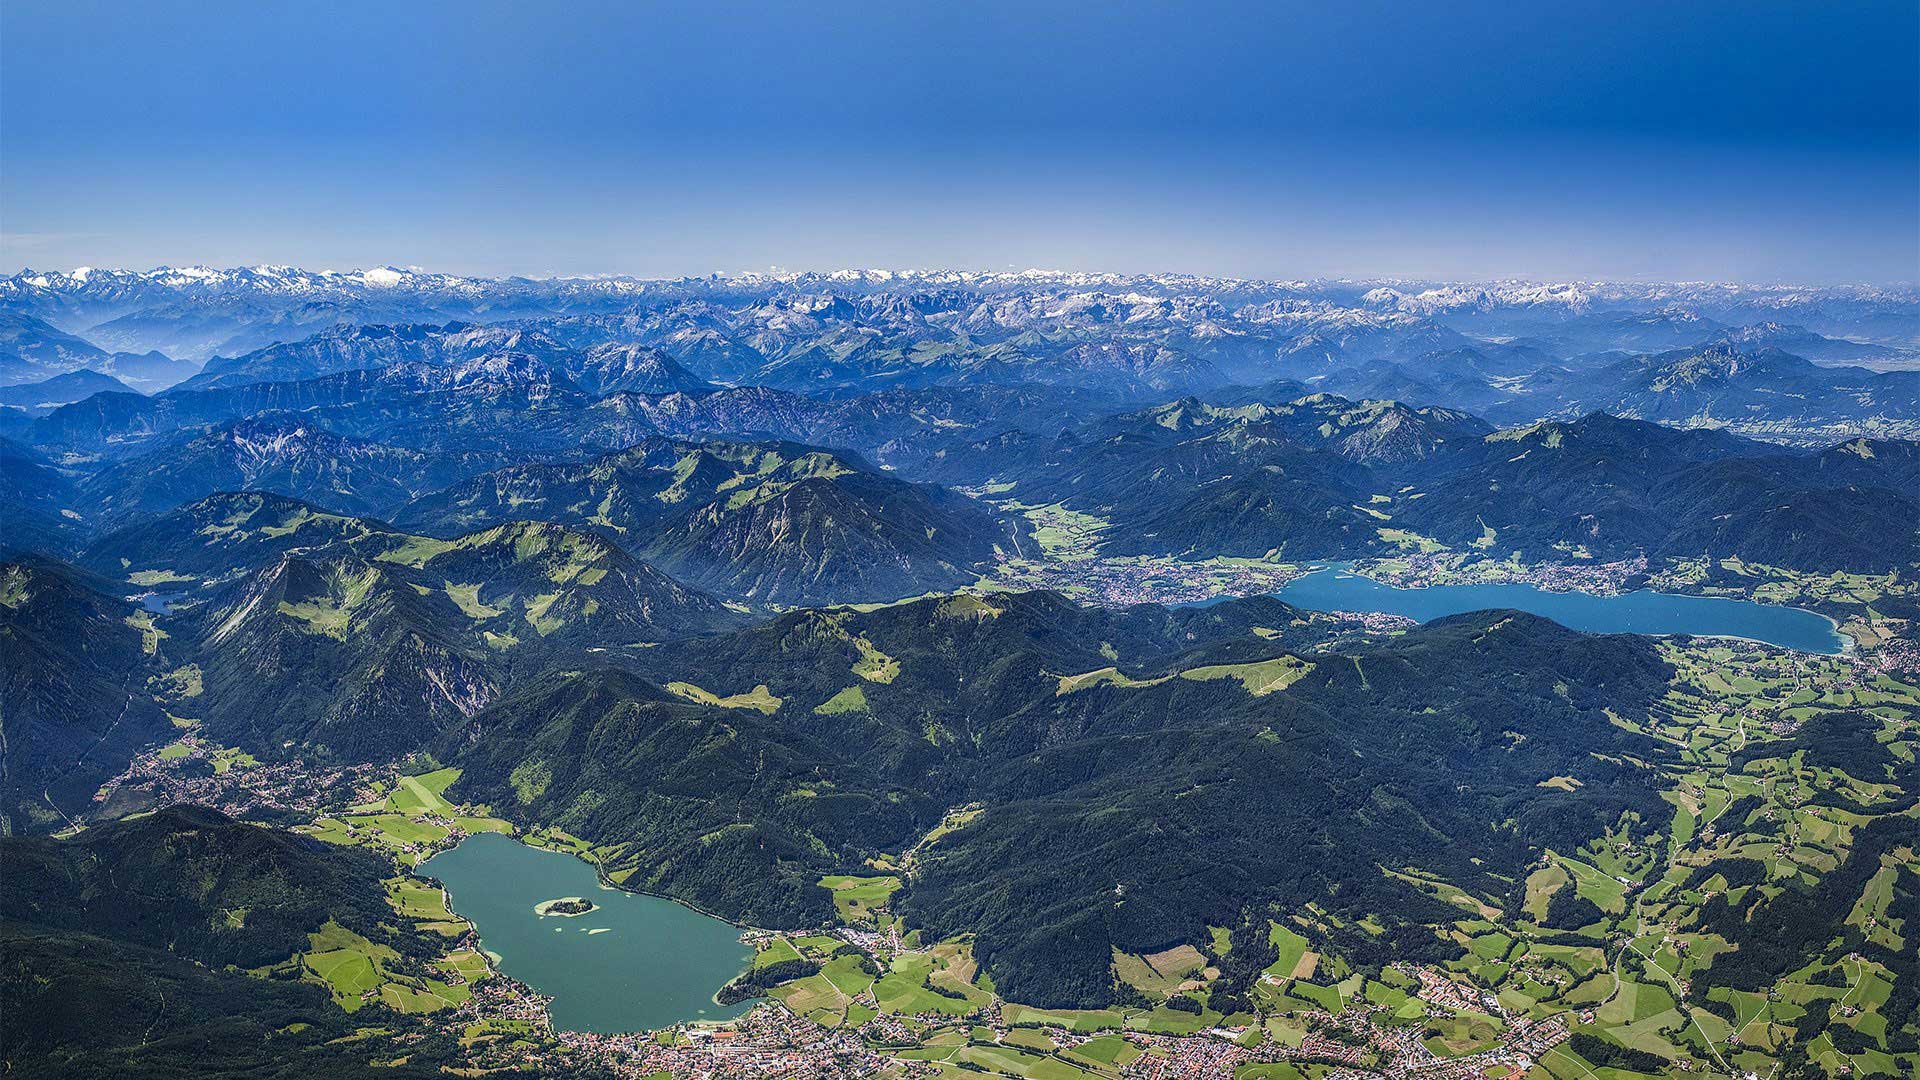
(783, 272)
(1725, 142)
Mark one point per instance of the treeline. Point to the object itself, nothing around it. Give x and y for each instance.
(79, 1007)
(1250, 949)
(200, 885)
(760, 980)
(1737, 871)
(1603, 1053)
(1135, 837)
(1902, 1007)
(1830, 740)
(122, 952)
(1568, 910)
(1774, 937)
(607, 754)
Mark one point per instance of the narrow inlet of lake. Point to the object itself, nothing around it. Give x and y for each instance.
(633, 963)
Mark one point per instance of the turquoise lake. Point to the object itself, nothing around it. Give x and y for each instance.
(651, 963)
(1335, 589)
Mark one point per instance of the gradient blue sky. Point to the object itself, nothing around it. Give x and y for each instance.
(1753, 141)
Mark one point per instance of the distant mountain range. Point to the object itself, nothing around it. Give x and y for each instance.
(275, 452)
(33, 351)
(404, 495)
(1155, 332)
(1321, 477)
(51, 393)
(744, 585)
(1734, 384)
(282, 338)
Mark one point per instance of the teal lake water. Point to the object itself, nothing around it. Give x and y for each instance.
(1629, 613)
(654, 963)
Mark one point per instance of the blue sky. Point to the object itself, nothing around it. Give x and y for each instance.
(1755, 141)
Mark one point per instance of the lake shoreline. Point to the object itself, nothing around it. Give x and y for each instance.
(609, 883)
(1339, 586)
(658, 964)
(1847, 643)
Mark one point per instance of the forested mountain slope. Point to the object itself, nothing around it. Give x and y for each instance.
(1125, 809)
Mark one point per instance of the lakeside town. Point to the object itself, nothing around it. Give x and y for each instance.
(773, 1041)
(1422, 570)
(506, 1024)
(1145, 579)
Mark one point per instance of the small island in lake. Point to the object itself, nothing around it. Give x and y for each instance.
(567, 906)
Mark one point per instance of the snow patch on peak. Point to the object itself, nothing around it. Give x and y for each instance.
(385, 276)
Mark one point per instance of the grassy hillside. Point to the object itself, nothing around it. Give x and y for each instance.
(182, 944)
(770, 523)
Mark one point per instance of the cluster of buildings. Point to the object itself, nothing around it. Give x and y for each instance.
(499, 998)
(1373, 622)
(871, 942)
(1437, 989)
(769, 1041)
(185, 773)
(1146, 579)
(507, 1026)
(1361, 1043)
(1448, 568)
(1185, 1057)
(1899, 658)
(886, 1029)
(1533, 1038)
(1400, 1050)
(1319, 1047)
(772, 1041)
